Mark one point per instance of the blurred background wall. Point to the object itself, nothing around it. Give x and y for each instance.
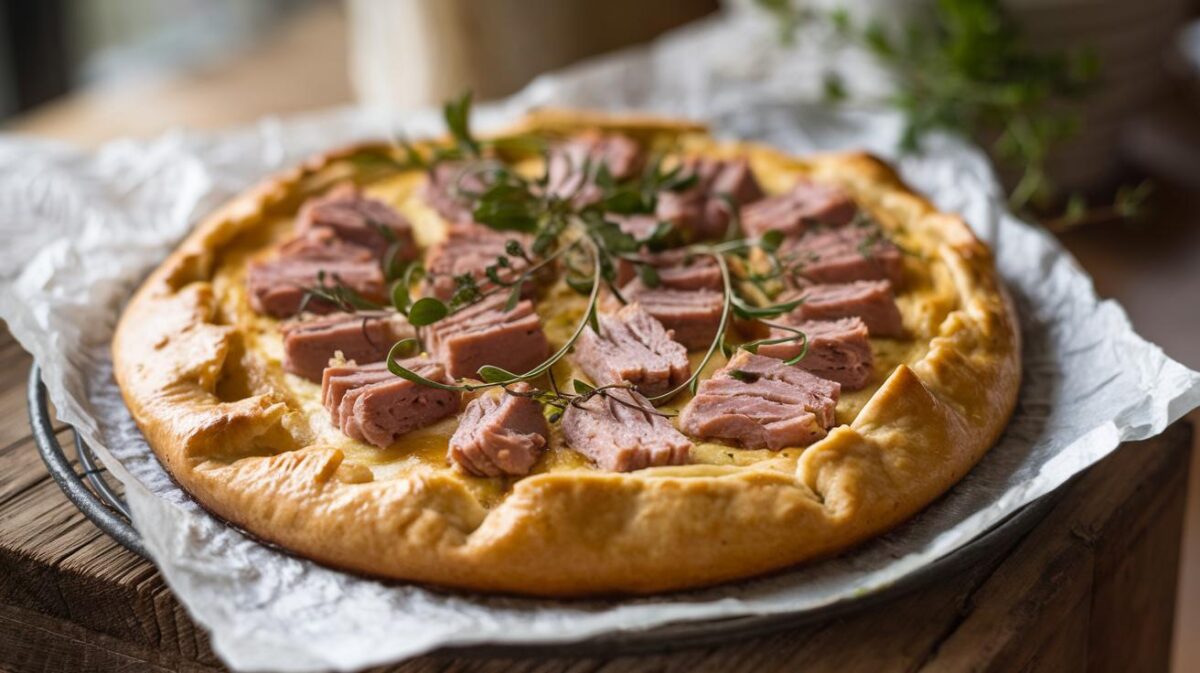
(50, 47)
(404, 52)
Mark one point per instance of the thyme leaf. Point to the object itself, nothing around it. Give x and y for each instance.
(748, 312)
(405, 348)
(493, 374)
(797, 335)
(458, 119)
(426, 311)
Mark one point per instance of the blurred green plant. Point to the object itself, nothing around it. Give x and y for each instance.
(962, 66)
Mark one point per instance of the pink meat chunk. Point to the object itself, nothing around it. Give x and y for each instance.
(450, 187)
(692, 315)
(469, 249)
(359, 220)
(363, 337)
(795, 211)
(500, 434)
(871, 300)
(370, 404)
(323, 244)
(485, 334)
(844, 255)
(622, 156)
(759, 402)
(339, 380)
(632, 347)
(735, 178)
(277, 286)
(838, 350)
(677, 269)
(702, 211)
(620, 432)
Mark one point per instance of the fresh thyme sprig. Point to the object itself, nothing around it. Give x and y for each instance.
(968, 70)
(465, 146)
(578, 232)
(495, 376)
(458, 120)
(797, 335)
(964, 67)
(331, 289)
(726, 304)
(559, 399)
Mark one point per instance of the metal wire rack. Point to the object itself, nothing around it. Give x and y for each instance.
(92, 491)
(88, 490)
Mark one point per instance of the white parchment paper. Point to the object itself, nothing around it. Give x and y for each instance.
(80, 229)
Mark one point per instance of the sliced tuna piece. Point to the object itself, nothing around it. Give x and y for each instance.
(632, 347)
(469, 249)
(450, 188)
(677, 269)
(759, 402)
(692, 315)
(355, 218)
(500, 434)
(871, 300)
(363, 337)
(620, 155)
(843, 255)
(621, 432)
(702, 211)
(485, 334)
(277, 286)
(370, 404)
(341, 379)
(838, 350)
(323, 244)
(735, 178)
(794, 212)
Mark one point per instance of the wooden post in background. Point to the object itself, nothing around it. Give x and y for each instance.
(409, 53)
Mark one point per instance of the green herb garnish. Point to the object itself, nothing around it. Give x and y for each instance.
(963, 66)
(576, 233)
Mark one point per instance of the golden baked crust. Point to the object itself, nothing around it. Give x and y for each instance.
(237, 434)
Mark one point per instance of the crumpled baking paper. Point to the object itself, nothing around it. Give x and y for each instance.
(80, 230)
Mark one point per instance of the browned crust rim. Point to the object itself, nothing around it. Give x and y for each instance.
(569, 534)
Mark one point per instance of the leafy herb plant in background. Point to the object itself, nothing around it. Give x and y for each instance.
(962, 66)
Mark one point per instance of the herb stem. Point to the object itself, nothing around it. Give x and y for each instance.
(726, 307)
(593, 298)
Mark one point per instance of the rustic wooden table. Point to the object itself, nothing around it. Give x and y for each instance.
(1090, 588)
